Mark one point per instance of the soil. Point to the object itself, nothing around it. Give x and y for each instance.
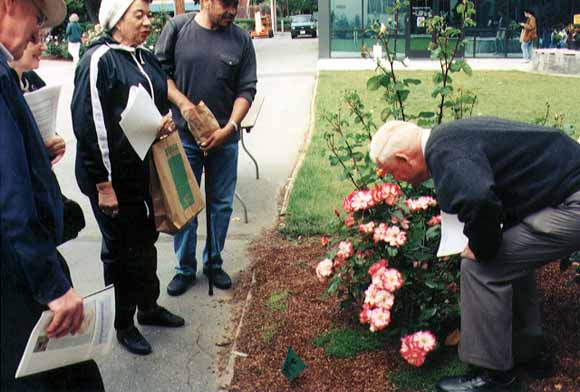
(286, 268)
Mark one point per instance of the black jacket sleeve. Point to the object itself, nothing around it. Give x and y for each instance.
(89, 108)
(466, 187)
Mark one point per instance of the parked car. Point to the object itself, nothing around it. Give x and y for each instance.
(303, 25)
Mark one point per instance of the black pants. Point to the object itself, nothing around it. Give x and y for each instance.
(129, 257)
(20, 312)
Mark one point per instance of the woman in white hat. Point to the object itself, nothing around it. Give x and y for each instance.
(110, 172)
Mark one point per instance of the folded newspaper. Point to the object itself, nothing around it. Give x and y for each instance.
(94, 338)
(43, 104)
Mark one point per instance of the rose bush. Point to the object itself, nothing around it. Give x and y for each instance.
(384, 260)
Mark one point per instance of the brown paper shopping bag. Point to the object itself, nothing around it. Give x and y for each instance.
(176, 196)
(201, 122)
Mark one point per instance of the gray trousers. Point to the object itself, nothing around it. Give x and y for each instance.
(499, 298)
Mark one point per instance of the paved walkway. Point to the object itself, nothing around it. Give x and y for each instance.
(184, 359)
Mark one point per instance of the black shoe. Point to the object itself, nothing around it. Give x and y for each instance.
(221, 279)
(541, 366)
(133, 341)
(483, 381)
(179, 284)
(160, 317)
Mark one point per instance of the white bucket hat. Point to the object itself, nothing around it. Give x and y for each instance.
(112, 11)
(53, 10)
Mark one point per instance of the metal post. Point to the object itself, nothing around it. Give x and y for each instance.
(179, 7)
(208, 226)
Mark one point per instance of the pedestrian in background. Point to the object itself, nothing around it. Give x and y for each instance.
(208, 58)
(34, 276)
(74, 33)
(529, 34)
(112, 174)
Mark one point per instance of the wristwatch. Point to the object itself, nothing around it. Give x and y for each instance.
(235, 125)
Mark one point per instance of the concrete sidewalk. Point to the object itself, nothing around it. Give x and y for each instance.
(184, 359)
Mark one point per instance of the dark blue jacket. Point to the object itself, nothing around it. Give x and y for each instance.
(30, 199)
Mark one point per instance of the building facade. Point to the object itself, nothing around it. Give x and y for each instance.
(343, 25)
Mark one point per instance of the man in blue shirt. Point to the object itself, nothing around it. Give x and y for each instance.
(33, 275)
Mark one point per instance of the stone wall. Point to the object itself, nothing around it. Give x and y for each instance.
(557, 61)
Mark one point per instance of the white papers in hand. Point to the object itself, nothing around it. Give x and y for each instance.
(453, 240)
(94, 338)
(43, 104)
(140, 120)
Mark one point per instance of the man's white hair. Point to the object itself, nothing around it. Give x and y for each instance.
(391, 138)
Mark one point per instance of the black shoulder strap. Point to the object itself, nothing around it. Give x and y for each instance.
(181, 20)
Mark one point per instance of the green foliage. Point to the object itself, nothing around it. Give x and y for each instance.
(441, 363)
(428, 298)
(278, 301)
(347, 343)
(157, 23)
(57, 47)
(246, 24)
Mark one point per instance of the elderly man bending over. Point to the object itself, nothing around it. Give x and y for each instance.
(516, 187)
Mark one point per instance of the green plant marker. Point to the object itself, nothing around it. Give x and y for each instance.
(293, 365)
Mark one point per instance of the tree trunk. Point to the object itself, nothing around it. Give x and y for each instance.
(92, 7)
(179, 7)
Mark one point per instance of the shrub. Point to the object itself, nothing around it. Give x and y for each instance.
(385, 260)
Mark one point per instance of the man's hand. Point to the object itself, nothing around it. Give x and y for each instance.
(108, 199)
(68, 315)
(56, 148)
(167, 126)
(468, 253)
(217, 138)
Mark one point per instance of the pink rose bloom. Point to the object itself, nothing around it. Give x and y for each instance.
(362, 200)
(364, 316)
(424, 340)
(415, 357)
(389, 279)
(435, 220)
(349, 221)
(382, 263)
(346, 204)
(324, 270)
(422, 203)
(380, 233)
(345, 250)
(384, 299)
(379, 319)
(338, 262)
(404, 223)
(324, 240)
(395, 237)
(416, 264)
(387, 193)
(366, 228)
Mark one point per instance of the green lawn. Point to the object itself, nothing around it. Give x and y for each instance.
(515, 95)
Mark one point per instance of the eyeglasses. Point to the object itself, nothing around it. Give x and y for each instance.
(40, 17)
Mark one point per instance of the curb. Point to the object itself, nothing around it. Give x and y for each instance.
(228, 374)
(303, 151)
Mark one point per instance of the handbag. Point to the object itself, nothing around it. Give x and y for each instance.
(73, 219)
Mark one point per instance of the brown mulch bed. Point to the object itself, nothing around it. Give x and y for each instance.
(282, 266)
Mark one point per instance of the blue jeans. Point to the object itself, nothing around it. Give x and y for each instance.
(222, 174)
(527, 48)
